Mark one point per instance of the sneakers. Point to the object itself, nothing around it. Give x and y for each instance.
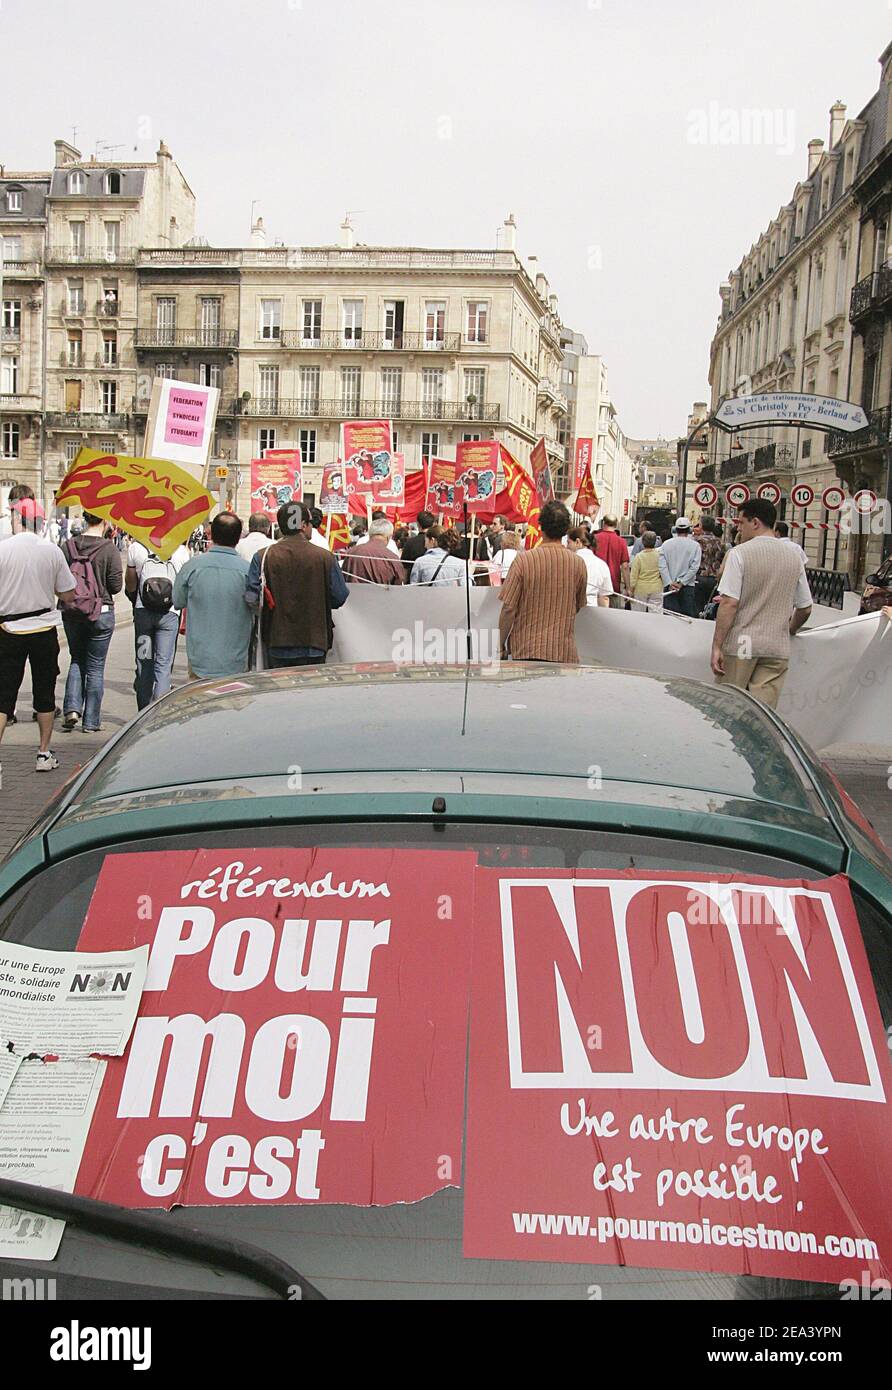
(97, 729)
(70, 722)
(46, 762)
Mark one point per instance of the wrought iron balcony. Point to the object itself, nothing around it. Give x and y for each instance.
(876, 435)
(308, 408)
(764, 459)
(736, 467)
(139, 405)
(10, 335)
(153, 338)
(94, 422)
(707, 473)
(871, 294)
(333, 340)
(90, 255)
(108, 308)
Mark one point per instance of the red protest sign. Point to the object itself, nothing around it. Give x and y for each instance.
(476, 471)
(367, 451)
(443, 493)
(540, 471)
(693, 1075)
(294, 1016)
(582, 461)
(276, 478)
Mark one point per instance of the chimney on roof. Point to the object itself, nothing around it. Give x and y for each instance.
(815, 150)
(348, 238)
(258, 233)
(837, 121)
(553, 303)
(66, 154)
(506, 237)
(163, 151)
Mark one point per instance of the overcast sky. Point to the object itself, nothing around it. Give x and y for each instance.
(434, 119)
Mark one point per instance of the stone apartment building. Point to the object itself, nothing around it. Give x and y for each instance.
(22, 299)
(787, 324)
(591, 414)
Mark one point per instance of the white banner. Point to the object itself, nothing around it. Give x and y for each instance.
(837, 689)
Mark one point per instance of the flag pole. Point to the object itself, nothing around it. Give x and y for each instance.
(467, 576)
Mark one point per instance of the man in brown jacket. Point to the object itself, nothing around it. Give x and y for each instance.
(544, 591)
(373, 563)
(297, 585)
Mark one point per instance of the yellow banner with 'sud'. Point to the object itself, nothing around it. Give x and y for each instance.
(155, 502)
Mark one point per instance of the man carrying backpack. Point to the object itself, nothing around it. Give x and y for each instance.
(89, 621)
(156, 622)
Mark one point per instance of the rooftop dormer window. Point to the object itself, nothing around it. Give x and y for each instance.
(76, 181)
(111, 183)
(14, 200)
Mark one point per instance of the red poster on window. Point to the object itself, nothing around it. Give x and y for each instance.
(676, 1073)
(476, 470)
(296, 1041)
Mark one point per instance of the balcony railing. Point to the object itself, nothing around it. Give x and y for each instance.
(90, 255)
(94, 422)
(20, 401)
(872, 293)
(307, 408)
(735, 467)
(332, 340)
(26, 270)
(330, 257)
(139, 405)
(876, 435)
(764, 459)
(10, 335)
(707, 473)
(186, 338)
(108, 308)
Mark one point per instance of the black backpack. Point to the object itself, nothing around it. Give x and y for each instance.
(156, 590)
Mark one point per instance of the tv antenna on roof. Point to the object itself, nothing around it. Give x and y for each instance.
(102, 147)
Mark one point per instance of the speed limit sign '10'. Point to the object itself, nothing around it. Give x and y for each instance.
(833, 497)
(769, 492)
(705, 495)
(802, 495)
(737, 494)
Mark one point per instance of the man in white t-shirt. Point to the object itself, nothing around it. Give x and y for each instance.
(599, 585)
(316, 536)
(260, 535)
(156, 623)
(32, 576)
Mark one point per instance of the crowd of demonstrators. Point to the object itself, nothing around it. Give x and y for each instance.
(545, 589)
(764, 599)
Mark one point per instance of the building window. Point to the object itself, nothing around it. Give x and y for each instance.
(211, 322)
(109, 390)
(165, 321)
(270, 318)
(351, 310)
(107, 446)
(110, 349)
(474, 385)
(433, 382)
(434, 323)
(470, 438)
(75, 348)
(14, 200)
(210, 374)
(351, 390)
(430, 445)
(76, 181)
(167, 370)
(112, 240)
(10, 439)
(266, 439)
(817, 297)
(394, 314)
(12, 318)
(9, 376)
(841, 276)
(269, 388)
(391, 391)
(309, 390)
(77, 232)
(72, 449)
(111, 183)
(307, 441)
(12, 249)
(478, 312)
(312, 320)
(806, 448)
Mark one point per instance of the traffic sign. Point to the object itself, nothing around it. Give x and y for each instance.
(801, 495)
(737, 494)
(705, 495)
(769, 492)
(833, 497)
(865, 501)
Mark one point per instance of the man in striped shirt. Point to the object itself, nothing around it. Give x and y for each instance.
(542, 594)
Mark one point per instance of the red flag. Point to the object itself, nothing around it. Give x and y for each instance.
(587, 500)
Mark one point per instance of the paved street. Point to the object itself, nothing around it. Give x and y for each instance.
(863, 772)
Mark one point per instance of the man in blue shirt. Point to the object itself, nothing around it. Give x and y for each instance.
(679, 559)
(211, 588)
